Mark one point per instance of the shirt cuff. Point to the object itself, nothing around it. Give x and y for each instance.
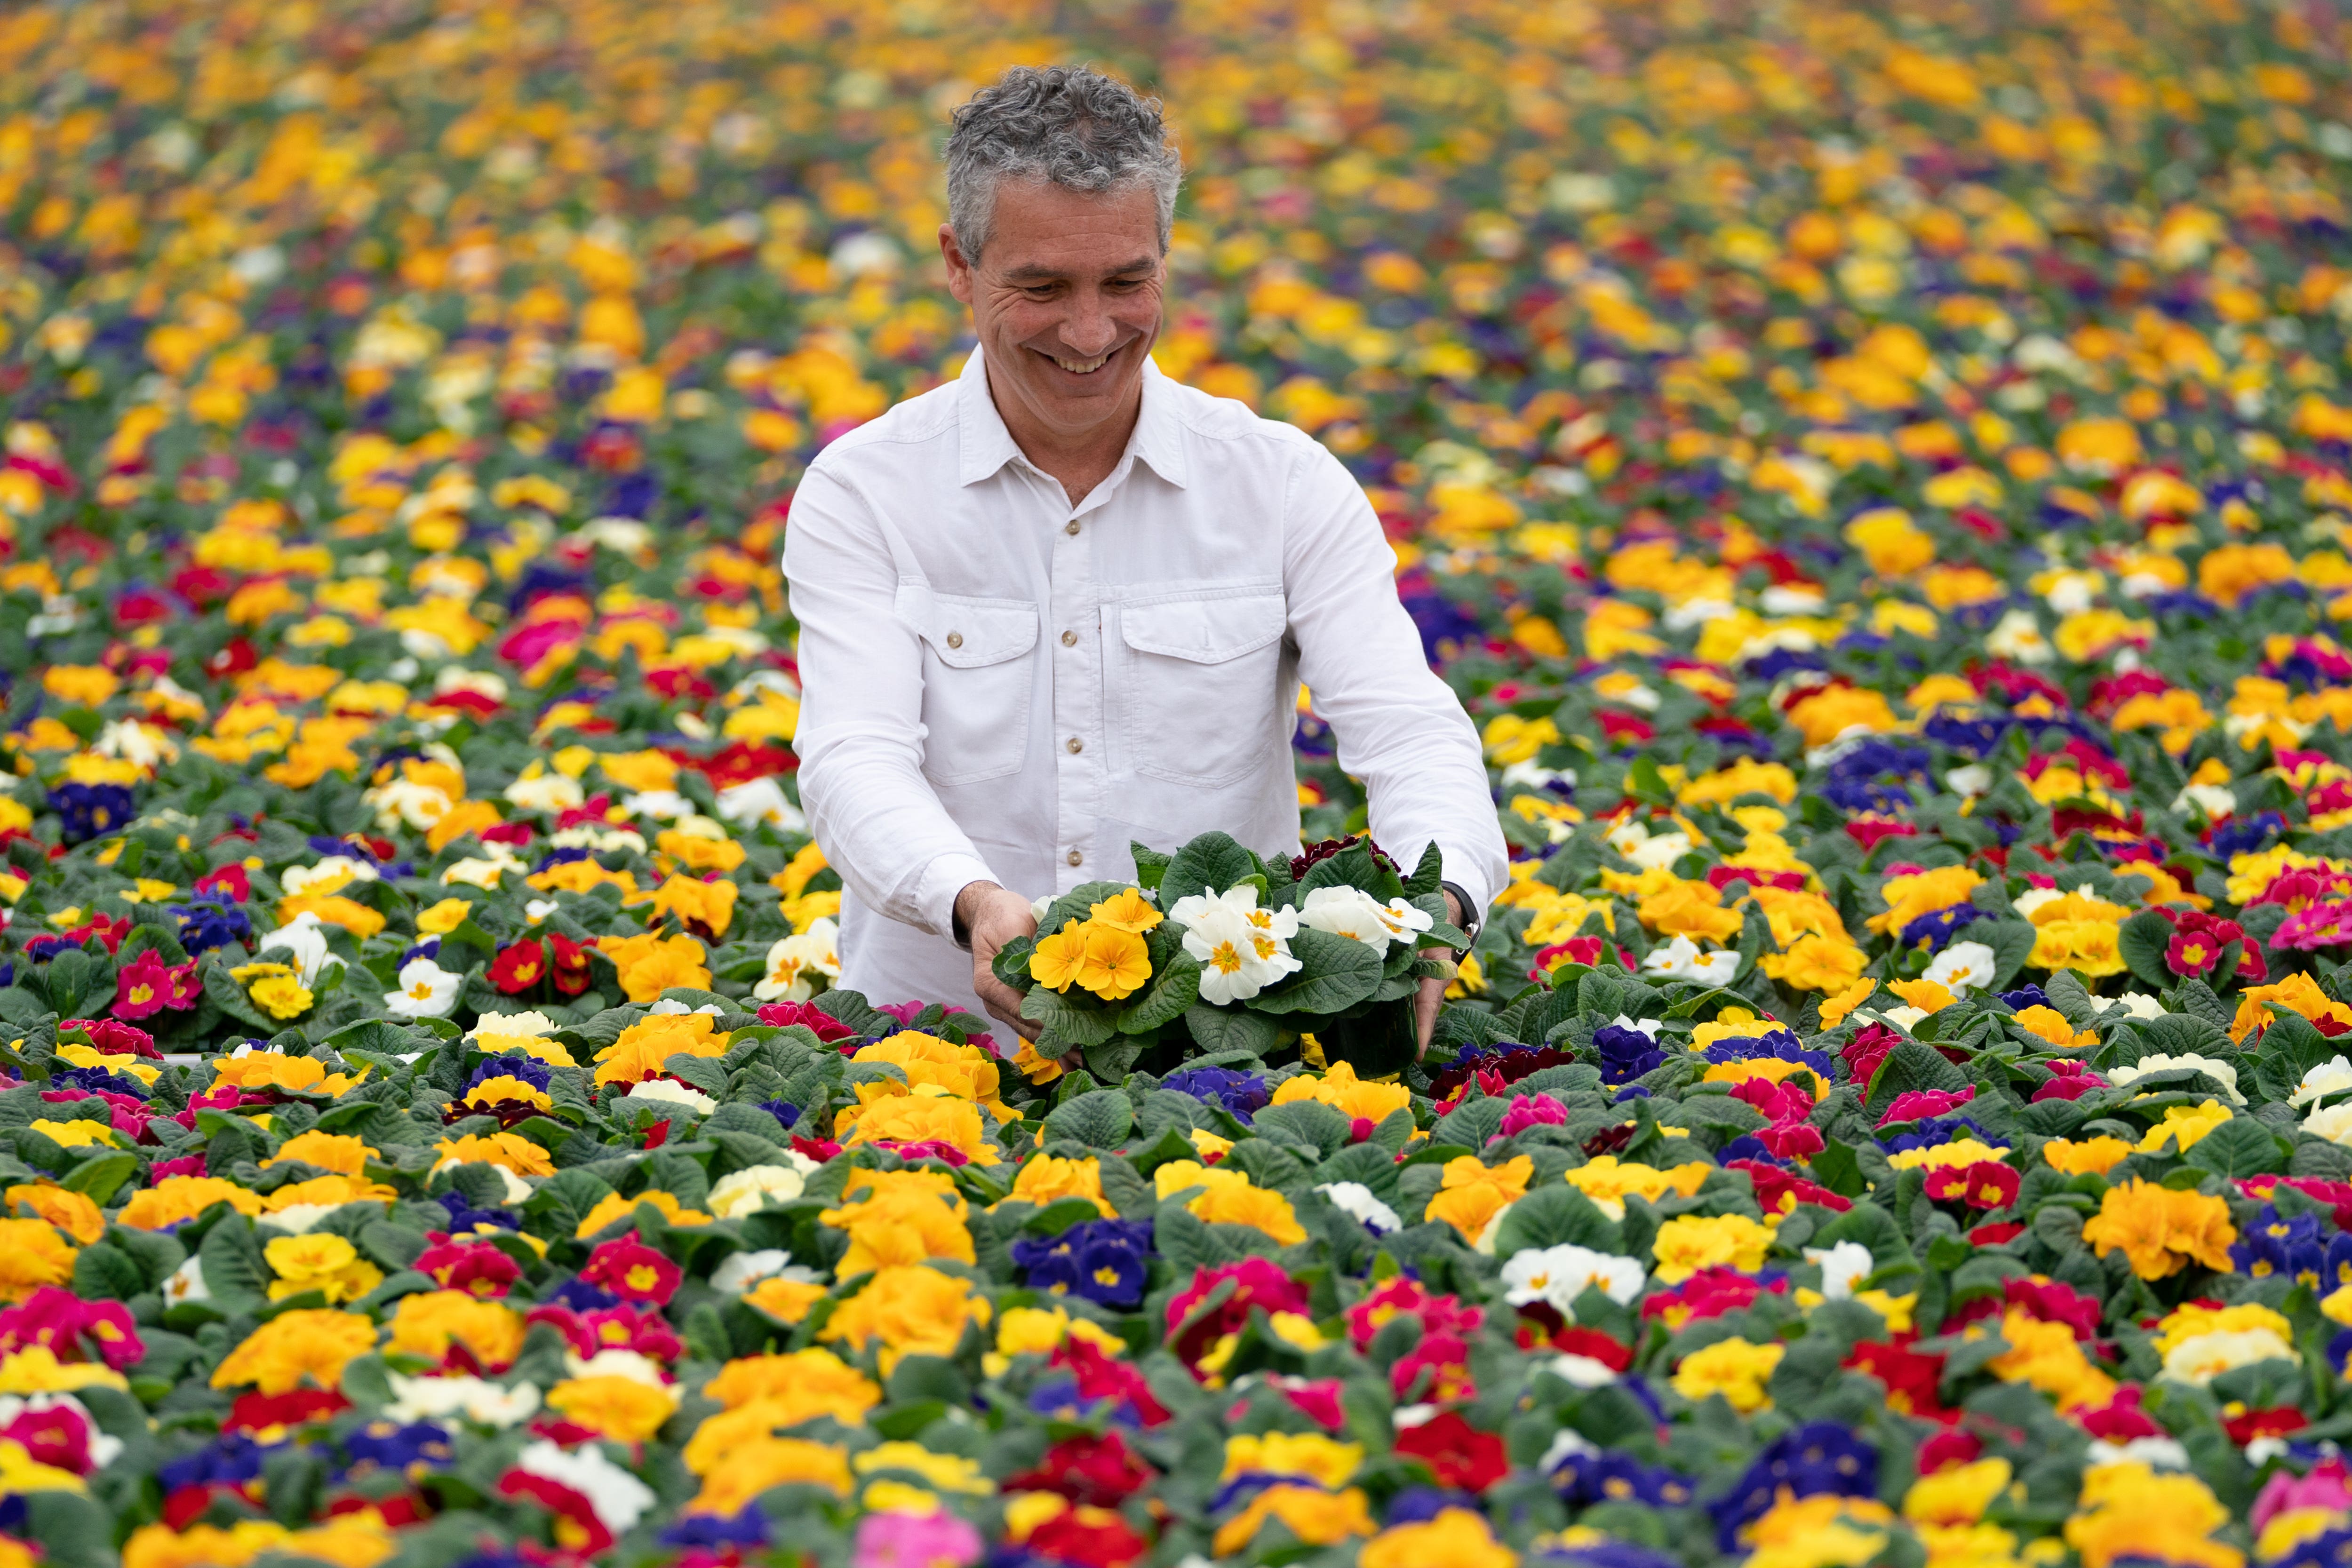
(944, 878)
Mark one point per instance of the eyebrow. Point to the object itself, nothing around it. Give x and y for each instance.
(1050, 275)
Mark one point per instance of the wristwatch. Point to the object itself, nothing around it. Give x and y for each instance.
(1470, 911)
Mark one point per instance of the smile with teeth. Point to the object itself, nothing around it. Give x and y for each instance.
(1082, 367)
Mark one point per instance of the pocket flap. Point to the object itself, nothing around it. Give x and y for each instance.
(1205, 631)
(965, 632)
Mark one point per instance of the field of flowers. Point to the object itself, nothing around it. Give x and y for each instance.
(1879, 475)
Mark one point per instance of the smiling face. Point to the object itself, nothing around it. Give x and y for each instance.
(1065, 300)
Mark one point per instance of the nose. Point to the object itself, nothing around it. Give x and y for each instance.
(1089, 331)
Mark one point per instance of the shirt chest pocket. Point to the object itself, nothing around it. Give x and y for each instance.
(977, 682)
(1197, 699)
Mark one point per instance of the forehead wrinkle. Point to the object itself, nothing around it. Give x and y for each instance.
(1038, 272)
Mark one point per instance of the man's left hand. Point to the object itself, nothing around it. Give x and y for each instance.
(1432, 995)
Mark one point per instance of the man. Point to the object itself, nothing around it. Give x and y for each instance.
(1064, 602)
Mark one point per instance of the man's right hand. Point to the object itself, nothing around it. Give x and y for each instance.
(993, 916)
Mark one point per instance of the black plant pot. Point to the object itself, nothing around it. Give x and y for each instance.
(1379, 1041)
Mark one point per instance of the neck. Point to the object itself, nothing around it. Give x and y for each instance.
(1078, 460)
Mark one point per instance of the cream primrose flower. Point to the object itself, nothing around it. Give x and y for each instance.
(2221, 1072)
(334, 872)
(792, 960)
(2201, 1358)
(547, 792)
(2332, 1123)
(478, 1400)
(405, 803)
(2333, 1076)
(635, 1365)
(533, 1024)
(752, 1188)
(669, 1094)
(485, 869)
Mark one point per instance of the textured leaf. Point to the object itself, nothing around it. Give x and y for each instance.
(2241, 1146)
(236, 1272)
(2142, 941)
(1100, 1119)
(1151, 865)
(100, 1177)
(1064, 1026)
(1212, 863)
(1558, 1215)
(1336, 972)
(104, 1273)
(2011, 942)
(1176, 987)
(1304, 1123)
(1912, 1064)
(1215, 1030)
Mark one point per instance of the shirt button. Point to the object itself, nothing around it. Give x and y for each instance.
(1069, 639)
(955, 639)
(1071, 526)
(1075, 858)
(1076, 745)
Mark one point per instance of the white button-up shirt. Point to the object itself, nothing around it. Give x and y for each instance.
(1001, 685)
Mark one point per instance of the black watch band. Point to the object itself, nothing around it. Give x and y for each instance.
(957, 928)
(1471, 920)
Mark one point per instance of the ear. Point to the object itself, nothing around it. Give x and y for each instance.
(960, 269)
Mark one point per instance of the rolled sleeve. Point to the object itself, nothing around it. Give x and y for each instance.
(1399, 727)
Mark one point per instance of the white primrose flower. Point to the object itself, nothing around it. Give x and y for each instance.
(1963, 966)
(1357, 1201)
(1556, 1275)
(426, 991)
(759, 801)
(1680, 959)
(669, 1094)
(1352, 912)
(304, 940)
(1242, 949)
(619, 1499)
(1843, 1267)
(478, 1399)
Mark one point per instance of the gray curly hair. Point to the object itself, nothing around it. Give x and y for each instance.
(1065, 125)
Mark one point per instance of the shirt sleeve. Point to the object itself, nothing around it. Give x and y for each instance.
(1399, 727)
(861, 731)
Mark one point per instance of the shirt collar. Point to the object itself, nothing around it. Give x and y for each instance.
(984, 445)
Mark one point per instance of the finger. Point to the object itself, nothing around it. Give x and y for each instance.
(1003, 1004)
(1425, 1004)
